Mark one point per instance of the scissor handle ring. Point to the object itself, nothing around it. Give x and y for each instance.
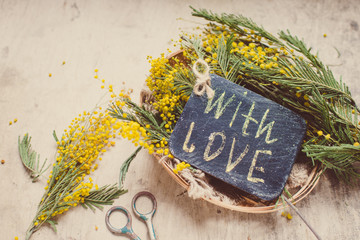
(113, 229)
(147, 194)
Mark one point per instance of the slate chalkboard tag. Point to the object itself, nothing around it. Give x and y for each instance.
(238, 136)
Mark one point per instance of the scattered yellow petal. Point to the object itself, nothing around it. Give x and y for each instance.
(356, 144)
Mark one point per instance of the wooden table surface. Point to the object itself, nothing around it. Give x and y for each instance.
(116, 37)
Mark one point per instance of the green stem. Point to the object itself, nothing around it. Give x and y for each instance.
(29, 232)
(125, 166)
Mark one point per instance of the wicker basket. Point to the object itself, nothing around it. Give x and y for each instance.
(311, 182)
(257, 207)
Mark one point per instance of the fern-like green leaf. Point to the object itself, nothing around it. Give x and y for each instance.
(30, 159)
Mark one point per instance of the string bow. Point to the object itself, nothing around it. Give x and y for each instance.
(203, 82)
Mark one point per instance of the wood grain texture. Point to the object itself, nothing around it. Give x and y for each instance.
(115, 37)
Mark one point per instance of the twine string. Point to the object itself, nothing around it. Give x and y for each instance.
(203, 82)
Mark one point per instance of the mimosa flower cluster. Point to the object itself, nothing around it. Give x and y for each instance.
(81, 146)
(281, 68)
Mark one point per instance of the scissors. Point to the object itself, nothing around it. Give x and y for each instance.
(127, 229)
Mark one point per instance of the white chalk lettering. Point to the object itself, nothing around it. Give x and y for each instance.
(267, 128)
(248, 118)
(219, 103)
(187, 139)
(235, 113)
(210, 143)
(253, 166)
(231, 165)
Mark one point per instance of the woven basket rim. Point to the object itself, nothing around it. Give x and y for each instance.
(303, 192)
